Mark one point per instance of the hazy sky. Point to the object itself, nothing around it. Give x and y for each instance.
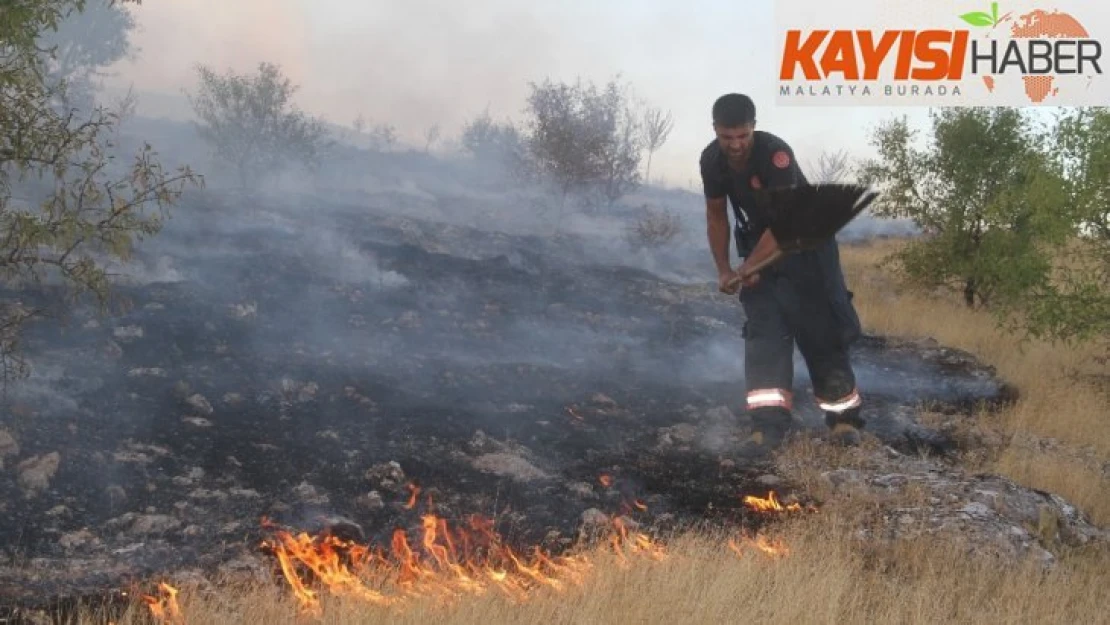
(414, 63)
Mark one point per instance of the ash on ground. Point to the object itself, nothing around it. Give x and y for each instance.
(287, 371)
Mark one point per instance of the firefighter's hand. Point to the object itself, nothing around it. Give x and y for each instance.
(729, 281)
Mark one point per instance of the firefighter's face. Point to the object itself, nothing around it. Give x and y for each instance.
(736, 141)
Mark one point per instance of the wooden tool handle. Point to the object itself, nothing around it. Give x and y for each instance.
(748, 271)
(756, 267)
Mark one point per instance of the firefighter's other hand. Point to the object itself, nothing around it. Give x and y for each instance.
(729, 281)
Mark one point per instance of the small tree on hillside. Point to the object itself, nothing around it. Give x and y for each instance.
(83, 44)
(499, 144)
(584, 138)
(657, 128)
(1078, 303)
(252, 125)
(985, 196)
(67, 207)
(620, 157)
(1082, 149)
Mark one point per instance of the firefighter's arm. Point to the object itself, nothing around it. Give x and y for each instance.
(716, 212)
(717, 229)
(717, 224)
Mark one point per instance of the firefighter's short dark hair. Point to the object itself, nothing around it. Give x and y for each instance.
(733, 109)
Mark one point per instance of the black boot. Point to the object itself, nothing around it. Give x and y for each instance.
(845, 428)
(770, 426)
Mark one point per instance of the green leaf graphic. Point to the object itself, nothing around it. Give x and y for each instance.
(978, 18)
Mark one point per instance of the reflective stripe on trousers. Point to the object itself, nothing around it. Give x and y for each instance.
(770, 397)
(849, 401)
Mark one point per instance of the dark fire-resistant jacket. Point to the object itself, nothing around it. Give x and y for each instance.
(809, 285)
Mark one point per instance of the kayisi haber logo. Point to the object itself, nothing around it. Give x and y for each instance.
(1039, 56)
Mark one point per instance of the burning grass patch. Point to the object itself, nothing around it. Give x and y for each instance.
(443, 561)
(440, 570)
(829, 575)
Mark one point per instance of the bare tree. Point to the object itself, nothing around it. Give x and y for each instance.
(431, 136)
(831, 167)
(657, 127)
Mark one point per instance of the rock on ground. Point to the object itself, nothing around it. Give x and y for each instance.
(924, 495)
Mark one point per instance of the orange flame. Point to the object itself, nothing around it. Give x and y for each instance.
(446, 562)
(442, 561)
(164, 609)
(771, 547)
(637, 542)
(770, 504)
(415, 490)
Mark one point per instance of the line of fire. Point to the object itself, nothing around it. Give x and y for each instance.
(444, 561)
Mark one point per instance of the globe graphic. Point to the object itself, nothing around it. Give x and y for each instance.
(1038, 24)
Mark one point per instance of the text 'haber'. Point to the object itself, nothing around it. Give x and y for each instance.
(929, 55)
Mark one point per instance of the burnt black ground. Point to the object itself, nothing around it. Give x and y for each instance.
(378, 340)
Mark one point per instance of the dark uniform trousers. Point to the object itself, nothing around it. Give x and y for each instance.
(802, 301)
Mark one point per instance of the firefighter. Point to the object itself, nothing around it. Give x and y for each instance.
(800, 301)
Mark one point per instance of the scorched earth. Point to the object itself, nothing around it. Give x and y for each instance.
(312, 363)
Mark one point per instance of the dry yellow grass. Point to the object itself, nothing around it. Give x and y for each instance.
(1059, 399)
(830, 576)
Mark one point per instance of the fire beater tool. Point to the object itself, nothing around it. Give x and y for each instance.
(801, 217)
